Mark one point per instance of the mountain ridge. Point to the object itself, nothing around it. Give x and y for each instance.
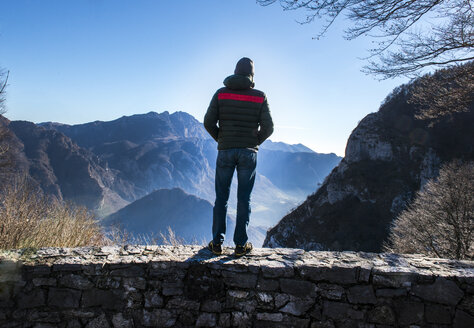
(124, 166)
(389, 156)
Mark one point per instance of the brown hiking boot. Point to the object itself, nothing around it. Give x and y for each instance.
(215, 248)
(242, 250)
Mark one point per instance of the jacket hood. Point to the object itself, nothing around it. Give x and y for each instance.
(244, 67)
(239, 82)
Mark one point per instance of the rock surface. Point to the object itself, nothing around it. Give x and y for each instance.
(390, 155)
(187, 286)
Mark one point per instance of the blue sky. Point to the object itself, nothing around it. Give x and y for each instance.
(80, 61)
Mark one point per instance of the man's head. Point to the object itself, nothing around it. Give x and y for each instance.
(244, 67)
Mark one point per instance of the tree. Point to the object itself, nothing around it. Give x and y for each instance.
(440, 221)
(445, 92)
(6, 155)
(409, 35)
(3, 85)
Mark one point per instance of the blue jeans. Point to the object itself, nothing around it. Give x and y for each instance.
(245, 160)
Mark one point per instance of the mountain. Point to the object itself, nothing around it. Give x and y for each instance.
(302, 171)
(281, 146)
(161, 151)
(66, 171)
(137, 129)
(389, 156)
(151, 151)
(189, 217)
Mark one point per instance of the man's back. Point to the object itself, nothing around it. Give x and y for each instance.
(240, 111)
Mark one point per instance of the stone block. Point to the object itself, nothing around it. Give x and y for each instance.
(66, 267)
(467, 304)
(135, 283)
(330, 291)
(106, 299)
(297, 307)
(19, 314)
(74, 323)
(187, 318)
(105, 282)
(391, 292)
(280, 300)
(381, 315)
(211, 306)
(264, 297)
(334, 274)
(179, 302)
(41, 325)
(237, 294)
(240, 280)
(463, 320)
(33, 299)
(206, 320)
(224, 320)
(43, 281)
(272, 269)
(158, 318)
(323, 324)
(240, 319)
(409, 313)
(355, 314)
(275, 317)
(133, 300)
(363, 294)
(336, 310)
(437, 314)
(41, 270)
(119, 321)
(316, 312)
(442, 291)
(99, 322)
(129, 271)
(5, 292)
(75, 281)
(364, 274)
(64, 297)
(299, 288)
(153, 299)
(48, 316)
(268, 285)
(83, 314)
(172, 288)
(394, 279)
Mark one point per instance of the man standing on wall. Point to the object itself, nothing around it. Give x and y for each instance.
(239, 119)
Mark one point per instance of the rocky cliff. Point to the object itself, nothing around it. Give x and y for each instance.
(389, 156)
(66, 171)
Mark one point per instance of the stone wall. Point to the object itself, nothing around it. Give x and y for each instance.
(187, 286)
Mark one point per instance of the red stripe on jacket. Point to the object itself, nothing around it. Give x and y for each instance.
(235, 96)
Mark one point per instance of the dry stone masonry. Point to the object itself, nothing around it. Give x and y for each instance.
(186, 286)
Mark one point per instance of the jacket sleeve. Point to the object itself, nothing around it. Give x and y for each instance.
(211, 118)
(266, 123)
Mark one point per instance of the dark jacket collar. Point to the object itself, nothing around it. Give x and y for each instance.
(239, 82)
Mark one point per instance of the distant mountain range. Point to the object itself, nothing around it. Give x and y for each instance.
(389, 156)
(189, 217)
(108, 165)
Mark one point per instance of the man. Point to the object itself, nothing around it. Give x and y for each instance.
(239, 119)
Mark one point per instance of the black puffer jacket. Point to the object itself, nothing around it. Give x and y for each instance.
(242, 115)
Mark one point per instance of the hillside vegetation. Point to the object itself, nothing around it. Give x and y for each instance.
(30, 219)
